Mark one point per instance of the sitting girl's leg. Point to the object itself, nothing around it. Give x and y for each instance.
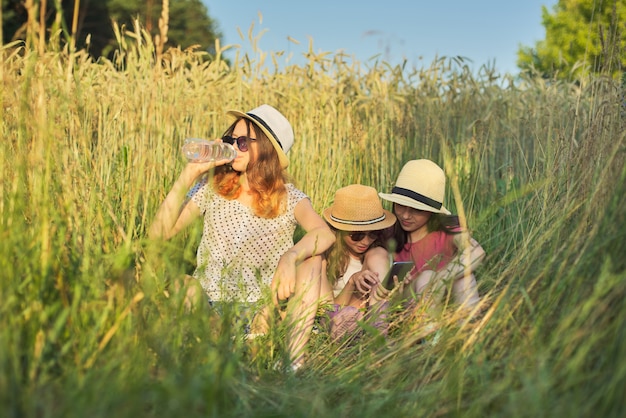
(193, 291)
(427, 288)
(260, 323)
(302, 307)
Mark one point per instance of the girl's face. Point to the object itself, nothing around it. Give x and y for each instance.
(358, 243)
(411, 219)
(240, 163)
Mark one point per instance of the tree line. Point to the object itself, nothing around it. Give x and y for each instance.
(582, 36)
(189, 22)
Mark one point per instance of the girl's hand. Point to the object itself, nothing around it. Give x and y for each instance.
(406, 283)
(380, 292)
(195, 170)
(364, 281)
(284, 280)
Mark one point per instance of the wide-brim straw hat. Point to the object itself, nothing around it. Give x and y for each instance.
(421, 185)
(358, 208)
(274, 125)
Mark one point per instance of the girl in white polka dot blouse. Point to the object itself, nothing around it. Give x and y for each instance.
(250, 213)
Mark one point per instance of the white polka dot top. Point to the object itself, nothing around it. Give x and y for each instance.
(239, 251)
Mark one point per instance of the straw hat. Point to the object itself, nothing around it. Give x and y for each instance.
(274, 125)
(358, 208)
(421, 185)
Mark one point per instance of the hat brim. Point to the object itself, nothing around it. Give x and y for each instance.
(282, 157)
(389, 220)
(407, 201)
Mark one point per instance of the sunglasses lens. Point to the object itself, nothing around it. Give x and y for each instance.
(357, 236)
(242, 142)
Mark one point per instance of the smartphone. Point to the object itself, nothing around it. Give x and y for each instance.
(400, 269)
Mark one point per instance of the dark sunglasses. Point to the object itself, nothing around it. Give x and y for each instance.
(358, 236)
(242, 142)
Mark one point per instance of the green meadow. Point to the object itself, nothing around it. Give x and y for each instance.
(89, 326)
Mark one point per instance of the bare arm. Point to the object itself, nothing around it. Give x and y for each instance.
(327, 295)
(469, 256)
(175, 214)
(318, 238)
(378, 261)
(459, 270)
(361, 286)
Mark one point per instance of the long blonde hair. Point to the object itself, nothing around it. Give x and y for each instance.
(266, 177)
(338, 256)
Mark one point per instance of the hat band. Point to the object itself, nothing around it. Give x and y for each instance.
(266, 126)
(347, 222)
(418, 197)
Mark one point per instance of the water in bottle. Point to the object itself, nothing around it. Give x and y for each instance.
(198, 150)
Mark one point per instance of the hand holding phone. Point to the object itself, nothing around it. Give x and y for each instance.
(400, 269)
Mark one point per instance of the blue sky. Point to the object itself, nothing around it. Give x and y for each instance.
(485, 31)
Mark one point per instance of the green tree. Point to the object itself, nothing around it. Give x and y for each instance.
(582, 37)
(189, 22)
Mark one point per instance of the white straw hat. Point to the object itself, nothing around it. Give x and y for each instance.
(358, 208)
(421, 185)
(274, 125)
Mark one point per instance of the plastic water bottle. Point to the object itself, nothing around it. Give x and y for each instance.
(198, 150)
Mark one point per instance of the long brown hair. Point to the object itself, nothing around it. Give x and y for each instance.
(266, 177)
(437, 222)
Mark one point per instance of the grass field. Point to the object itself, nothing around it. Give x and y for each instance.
(89, 151)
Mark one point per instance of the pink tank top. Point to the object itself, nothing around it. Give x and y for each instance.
(432, 252)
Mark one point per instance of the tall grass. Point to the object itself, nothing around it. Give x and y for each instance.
(89, 328)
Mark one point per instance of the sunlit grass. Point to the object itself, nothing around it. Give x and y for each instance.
(88, 326)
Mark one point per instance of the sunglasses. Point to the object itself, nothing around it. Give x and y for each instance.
(358, 236)
(242, 142)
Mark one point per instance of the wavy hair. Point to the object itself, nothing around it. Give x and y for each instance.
(266, 177)
(437, 222)
(338, 256)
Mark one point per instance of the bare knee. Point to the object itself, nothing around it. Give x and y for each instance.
(375, 257)
(310, 268)
(309, 279)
